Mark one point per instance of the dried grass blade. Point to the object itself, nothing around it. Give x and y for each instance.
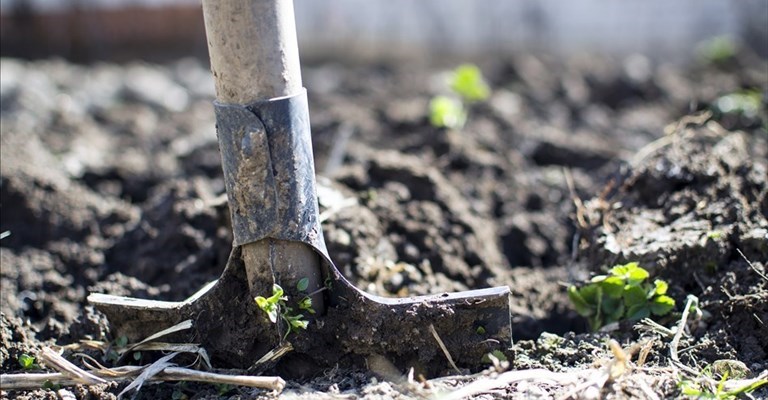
(149, 372)
(443, 348)
(177, 347)
(57, 362)
(181, 326)
(271, 357)
(483, 385)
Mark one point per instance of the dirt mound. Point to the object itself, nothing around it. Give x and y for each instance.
(693, 209)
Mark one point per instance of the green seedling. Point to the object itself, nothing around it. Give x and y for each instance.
(277, 306)
(305, 304)
(496, 354)
(467, 81)
(119, 343)
(271, 305)
(224, 388)
(744, 102)
(447, 112)
(703, 391)
(122, 341)
(623, 294)
(717, 50)
(715, 235)
(302, 284)
(467, 86)
(27, 362)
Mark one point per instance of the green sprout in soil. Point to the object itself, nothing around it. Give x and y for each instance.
(715, 235)
(224, 388)
(746, 103)
(623, 294)
(277, 306)
(446, 112)
(27, 362)
(119, 343)
(717, 50)
(698, 390)
(497, 354)
(467, 81)
(467, 86)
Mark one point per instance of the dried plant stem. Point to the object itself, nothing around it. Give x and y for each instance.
(483, 385)
(443, 348)
(36, 381)
(57, 362)
(681, 328)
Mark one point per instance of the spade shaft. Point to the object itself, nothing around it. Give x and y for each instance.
(263, 131)
(255, 58)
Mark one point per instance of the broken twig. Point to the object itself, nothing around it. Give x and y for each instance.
(762, 275)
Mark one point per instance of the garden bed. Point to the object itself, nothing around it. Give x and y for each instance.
(112, 184)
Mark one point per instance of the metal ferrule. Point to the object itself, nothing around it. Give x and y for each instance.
(266, 152)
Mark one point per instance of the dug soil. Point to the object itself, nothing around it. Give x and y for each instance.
(111, 183)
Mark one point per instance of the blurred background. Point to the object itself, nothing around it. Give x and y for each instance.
(161, 30)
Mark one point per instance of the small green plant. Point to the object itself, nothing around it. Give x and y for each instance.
(743, 102)
(467, 86)
(705, 391)
(277, 306)
(302, 284)
(224, 388)
(113, 355)
(271, 305)
(27, 362)
(715, 235)
(467, 81)
(122, 341)
(717, 50)
(446, 112)
(622, 294)
(496, 354)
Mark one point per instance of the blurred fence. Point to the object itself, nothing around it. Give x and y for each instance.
(116, 29)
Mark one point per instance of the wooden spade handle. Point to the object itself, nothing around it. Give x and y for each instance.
(254, 57)
(253, 49)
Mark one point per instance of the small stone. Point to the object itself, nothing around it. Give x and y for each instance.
(65, 394)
